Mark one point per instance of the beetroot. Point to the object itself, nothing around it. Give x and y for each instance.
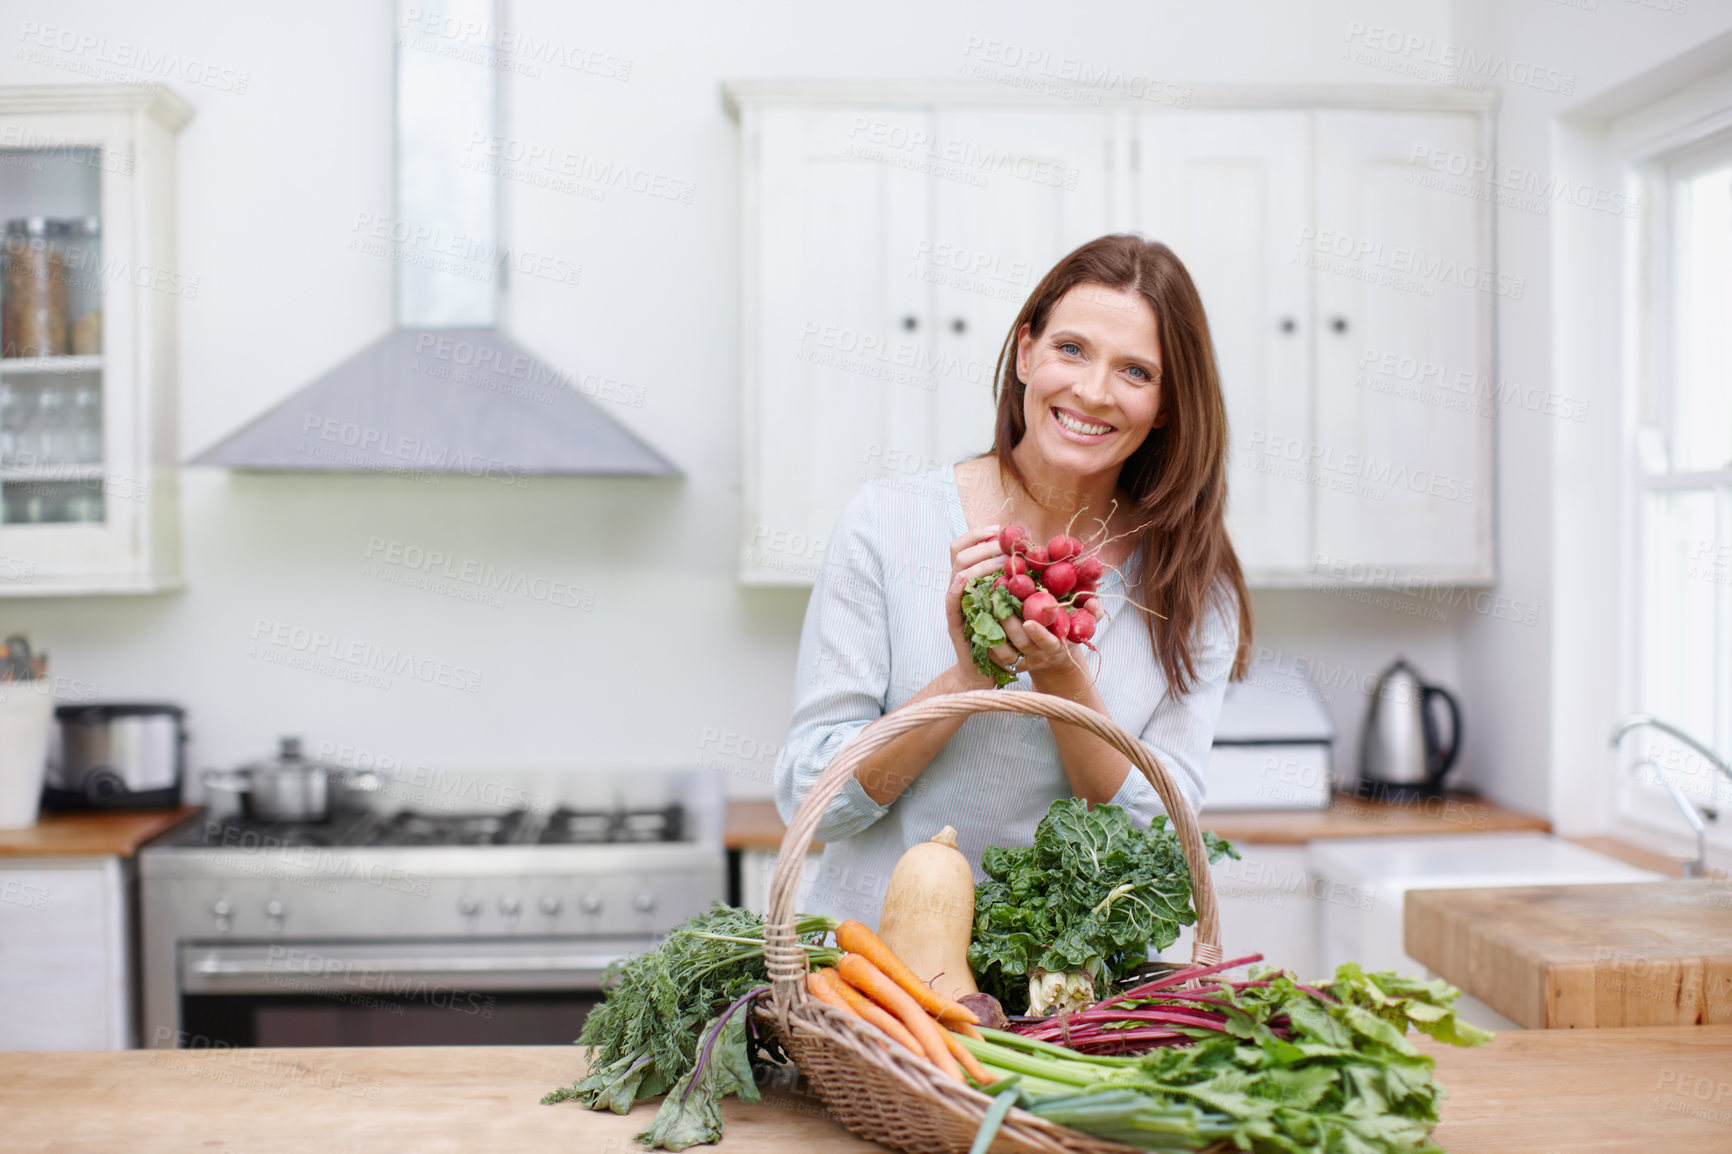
(1060, 578)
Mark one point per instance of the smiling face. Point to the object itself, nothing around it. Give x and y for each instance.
(1093, 381)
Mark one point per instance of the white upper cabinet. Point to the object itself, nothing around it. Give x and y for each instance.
(889, 245)
(88, 495)
(1230, 193)
(836, 328)
(1028, 187)
(1404, 291)
(888, 251)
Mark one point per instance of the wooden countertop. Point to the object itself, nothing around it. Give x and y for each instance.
(757, 825)
(89, 834)
(1557, 1091)
(1573, 956)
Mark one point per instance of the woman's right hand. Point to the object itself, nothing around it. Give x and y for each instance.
(972, 554)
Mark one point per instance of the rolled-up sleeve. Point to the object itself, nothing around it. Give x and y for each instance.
(1182, 729)
(842, 675)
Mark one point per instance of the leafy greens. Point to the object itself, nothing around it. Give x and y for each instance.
(1297, 1070)
(1090, 898)
(665, 1007)
(983, 607)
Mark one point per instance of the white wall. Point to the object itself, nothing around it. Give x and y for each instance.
(272, 182)
(1537, 697)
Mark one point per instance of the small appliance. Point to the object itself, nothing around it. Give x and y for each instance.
(1273, 745)
(1401, 753)
(115, 755)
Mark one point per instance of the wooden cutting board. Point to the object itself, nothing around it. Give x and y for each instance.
(1639, 954)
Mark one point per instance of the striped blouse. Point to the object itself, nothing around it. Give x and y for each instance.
(874, 635)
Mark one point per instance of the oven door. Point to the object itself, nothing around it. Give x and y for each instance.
(473, 991)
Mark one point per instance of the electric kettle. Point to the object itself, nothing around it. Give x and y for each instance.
(1400, 752)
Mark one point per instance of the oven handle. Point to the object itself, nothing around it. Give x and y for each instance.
(218, 975)
(216, 967)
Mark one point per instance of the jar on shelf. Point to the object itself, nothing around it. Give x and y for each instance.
(86, 423)
(33, 313)
(83, 262)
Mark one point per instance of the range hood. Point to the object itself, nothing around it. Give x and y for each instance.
(446, 392)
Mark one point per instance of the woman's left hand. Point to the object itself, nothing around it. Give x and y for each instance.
(1043, 655)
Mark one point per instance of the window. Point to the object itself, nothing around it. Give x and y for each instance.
(1683, 543)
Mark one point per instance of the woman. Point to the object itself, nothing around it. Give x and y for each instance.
(1110, 425)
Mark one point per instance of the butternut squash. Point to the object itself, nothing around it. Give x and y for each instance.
(928, 914)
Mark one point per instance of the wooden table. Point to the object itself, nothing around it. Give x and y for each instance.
(1641, 954)
(754, 824)
(1554, 1091)
(116, 834)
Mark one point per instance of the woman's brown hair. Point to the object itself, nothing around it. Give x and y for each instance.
(1177, 478)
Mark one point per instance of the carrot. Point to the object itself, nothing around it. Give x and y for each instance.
(822, 991)
(856, 938)
(968, 1031)
(872, 981)
(968, 1060)
(872, 1011)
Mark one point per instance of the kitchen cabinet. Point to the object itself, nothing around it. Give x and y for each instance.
(1403, 431)
(887, 252)
(1230, 193)
(891, 235)
(1351, 322)
(88, 494)
(758, 866)
(1267, 906)
(64, 937)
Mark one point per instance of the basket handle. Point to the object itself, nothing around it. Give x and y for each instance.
(785, 960)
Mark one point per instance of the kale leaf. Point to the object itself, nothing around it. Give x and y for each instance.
(1092, 895)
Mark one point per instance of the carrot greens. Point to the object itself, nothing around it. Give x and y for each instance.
(674, 1022)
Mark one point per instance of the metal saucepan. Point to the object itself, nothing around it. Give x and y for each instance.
(289, 787)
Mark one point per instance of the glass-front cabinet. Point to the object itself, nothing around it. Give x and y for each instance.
(89, 288)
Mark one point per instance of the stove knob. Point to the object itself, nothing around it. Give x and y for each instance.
(509, 906)
(224, 912)
(274, 910)
(551, 906)
(468, 906)
(644, 903)
(591, 903)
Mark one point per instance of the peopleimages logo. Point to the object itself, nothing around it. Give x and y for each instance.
(1415, 53)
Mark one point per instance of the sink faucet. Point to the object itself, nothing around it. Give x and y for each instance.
(1699, 866)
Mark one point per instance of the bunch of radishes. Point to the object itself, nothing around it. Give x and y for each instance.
(1054, 585)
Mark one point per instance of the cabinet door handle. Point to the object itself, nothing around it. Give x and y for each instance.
(1289, 325)
(1337, 324)
(958, 325)
(910, 322)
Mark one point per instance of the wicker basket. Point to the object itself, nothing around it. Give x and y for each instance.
(886, 1093)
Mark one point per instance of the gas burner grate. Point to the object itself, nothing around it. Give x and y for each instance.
(567, 826)
(413, 827)
(342, 829)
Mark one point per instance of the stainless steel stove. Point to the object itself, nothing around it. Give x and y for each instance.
(421, 918)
